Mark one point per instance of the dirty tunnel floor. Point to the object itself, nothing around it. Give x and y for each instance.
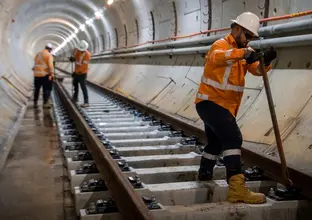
(31, 184)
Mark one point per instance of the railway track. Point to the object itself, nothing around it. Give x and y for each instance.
(125, 162)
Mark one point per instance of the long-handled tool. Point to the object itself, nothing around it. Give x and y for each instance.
(284, 168)
(72, 72)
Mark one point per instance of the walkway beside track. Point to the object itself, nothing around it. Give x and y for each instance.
(31, 183)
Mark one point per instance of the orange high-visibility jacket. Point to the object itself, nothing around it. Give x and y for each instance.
(223, 79)
(43, 64)
(82, 61)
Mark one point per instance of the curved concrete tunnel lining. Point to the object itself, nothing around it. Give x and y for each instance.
(176, 80)
(61, 7)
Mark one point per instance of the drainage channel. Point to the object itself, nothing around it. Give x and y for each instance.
(161, 164)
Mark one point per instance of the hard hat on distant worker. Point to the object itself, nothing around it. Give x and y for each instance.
(83, 45)
(250, 21)
(49, 45)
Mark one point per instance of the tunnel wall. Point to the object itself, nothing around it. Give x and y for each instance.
(170, 84)
(14, 82)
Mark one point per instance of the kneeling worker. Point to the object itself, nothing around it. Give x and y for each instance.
(43, 75)
(218, 100)
(81, 57)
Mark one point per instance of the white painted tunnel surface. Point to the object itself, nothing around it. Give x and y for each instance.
(164, 83)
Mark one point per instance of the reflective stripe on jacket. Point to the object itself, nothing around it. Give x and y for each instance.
(223, 79)
(43, 64)
(82, 61)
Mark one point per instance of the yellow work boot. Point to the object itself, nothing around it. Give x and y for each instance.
(84, 105)
(239, 192)
(46, 106)
(50, 102)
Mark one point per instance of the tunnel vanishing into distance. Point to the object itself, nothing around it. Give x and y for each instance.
(131, 57)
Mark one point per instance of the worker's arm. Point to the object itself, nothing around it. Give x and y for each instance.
(87, 58)
(50, 65)
(254, 68)
(35, 62)
(221, 55)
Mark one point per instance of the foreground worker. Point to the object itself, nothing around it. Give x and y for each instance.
(43, 75)
(218, 100)
(81, 57)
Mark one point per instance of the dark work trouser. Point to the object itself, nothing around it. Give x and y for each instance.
(223, 135)
(44, 83)
(49, 88)
(80, 79)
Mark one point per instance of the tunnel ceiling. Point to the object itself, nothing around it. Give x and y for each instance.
(124, 22)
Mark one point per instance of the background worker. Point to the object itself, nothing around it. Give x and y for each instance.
(218, 100)
(51, 81)
(81, 57)
(43, 75)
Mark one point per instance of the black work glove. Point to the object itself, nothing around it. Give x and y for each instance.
(253, 57)
(72, 59)
(269, 55)
(73, 75)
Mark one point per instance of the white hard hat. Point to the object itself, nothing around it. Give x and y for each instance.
(49, 45)
(83, 45)
(250, 21)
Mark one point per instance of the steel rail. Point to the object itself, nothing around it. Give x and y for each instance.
(129, 203)
(269, 164)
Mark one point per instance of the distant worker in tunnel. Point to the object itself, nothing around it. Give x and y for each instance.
(218, 100)
(51, 81)
(43, 75)
(81, 57)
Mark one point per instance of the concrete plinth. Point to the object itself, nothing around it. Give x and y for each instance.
(121, 124)
(155, 150)
(163, 160)
(146, 142)
(112, 114)
(196, 192)
(291, 210)
(129, 129)
(72, 153)
(158, 213)
(74, 165)
(78, 179)
(83, 199)
(137, 135)
(174, 174)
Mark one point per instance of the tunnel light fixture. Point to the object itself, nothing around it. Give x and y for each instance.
(82, 27)
(98, 14)
(89, 22)
(72, 36)
(76, 31)
(109, 2)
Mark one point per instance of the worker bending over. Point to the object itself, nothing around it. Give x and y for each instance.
(218, 100)
(81, 57)
(43, 75)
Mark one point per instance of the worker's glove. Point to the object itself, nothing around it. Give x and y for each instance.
(73, 75)
(251, 56)
(269, 56)
(72, 59)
